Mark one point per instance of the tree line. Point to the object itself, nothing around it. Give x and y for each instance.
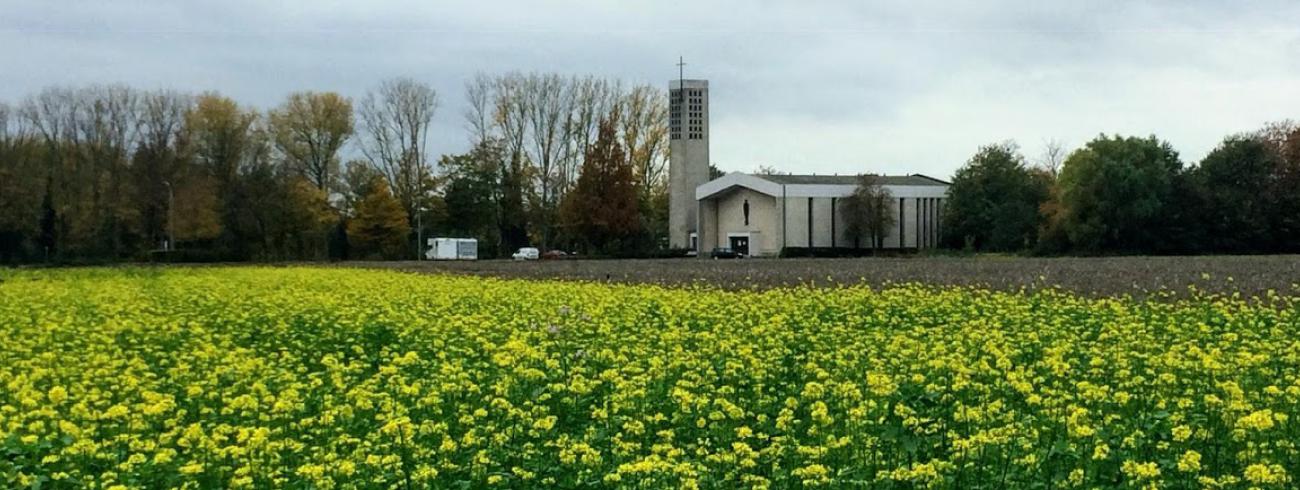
(105, 173)
(1130, 195)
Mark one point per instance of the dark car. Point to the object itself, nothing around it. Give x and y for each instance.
(725, 253)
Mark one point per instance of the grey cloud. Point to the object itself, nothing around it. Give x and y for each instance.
(805, 86)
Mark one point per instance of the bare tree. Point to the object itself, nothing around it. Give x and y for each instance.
(49, 113)
(511, 115)
(546, 125)
(4, 119)
(395, 119)
(162, 118)
(591, 99)
(160, 161)
(644, 126)
(1278, 133)
(106, 127)
(547, 113)
(869, 212)
(22, 185)
(88, 135)
(1053, 157)
(479, 120)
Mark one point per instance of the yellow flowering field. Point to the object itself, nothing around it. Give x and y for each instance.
(334, 378)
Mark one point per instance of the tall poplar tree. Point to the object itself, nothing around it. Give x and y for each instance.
(601, 213)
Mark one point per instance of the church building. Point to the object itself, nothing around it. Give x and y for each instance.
(760, 215)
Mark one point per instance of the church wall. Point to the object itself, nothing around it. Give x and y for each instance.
(842, 236)
(783, 222)
(821, 222)
(708, 226)
(921, 216)
(763, 220)
(909, 223)
(796, 222)
(844, 239)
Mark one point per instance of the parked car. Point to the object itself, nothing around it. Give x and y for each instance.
(527, 253)
(725, 253)
(555, 255)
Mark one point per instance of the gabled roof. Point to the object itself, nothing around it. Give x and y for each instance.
(737, 179)
(915, 185)
(914, 179)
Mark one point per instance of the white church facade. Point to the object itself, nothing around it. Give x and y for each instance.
(760, 215)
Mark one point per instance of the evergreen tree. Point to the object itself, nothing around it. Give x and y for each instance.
(471, 195)
(602, 212)
(380, 228)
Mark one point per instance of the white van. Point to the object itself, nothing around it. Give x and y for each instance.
(527, 253)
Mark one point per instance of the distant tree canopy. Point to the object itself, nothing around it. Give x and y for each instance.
(1248, 191)
(1235, 183)
(108, 172)
(545, 125)
(1116, 194)
(1132, 195)
(1284, 198)
(105, 173)
(993, 203)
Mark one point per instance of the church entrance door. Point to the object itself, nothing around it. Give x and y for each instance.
(740, 244)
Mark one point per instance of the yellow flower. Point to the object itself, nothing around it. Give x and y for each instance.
(545, 423)
(159, 378)
(1101, 451)
(57, 395)
(1140, 471)
(1261, 474)
(880, 385)
(116, 412)
(813, 474)
(1182, 432)
(1189, 462)
(1259, 420)
(1076, 477)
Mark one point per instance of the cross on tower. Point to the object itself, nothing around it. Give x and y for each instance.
(681, 79)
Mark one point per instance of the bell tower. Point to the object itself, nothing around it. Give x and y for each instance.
(688, 156)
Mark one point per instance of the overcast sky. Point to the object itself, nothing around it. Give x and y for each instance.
(824, 87)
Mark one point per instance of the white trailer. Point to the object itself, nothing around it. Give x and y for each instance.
(452, 249)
